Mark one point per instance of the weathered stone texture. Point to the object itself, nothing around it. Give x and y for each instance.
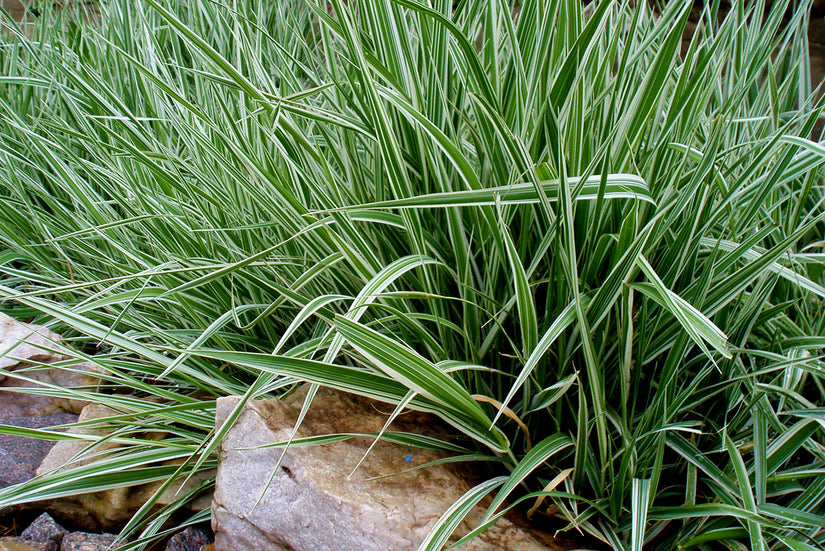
(84, 541)
(108, 509)
(313, 500)
(191, 538)
(20, 457)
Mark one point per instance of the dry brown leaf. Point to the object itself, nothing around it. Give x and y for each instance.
(509, 413)
(549, 488)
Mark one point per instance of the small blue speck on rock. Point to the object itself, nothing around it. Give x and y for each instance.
(408, 458)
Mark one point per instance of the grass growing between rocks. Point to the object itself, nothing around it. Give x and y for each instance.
(555, 212)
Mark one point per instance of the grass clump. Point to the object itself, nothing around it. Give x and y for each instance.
(566, 210)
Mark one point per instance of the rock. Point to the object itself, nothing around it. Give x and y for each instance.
(84, 541)
(14, 403)
(20, 456)
(22, 343)
(200, 503)
(26, 342)
(44, 533)
(314, 503)
(13, 544)
(19, 403)
(83, 375)
(190, 539)
(109, 509)
(66, 450)
(99, 510)
(66, 374)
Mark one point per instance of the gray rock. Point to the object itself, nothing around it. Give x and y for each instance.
(17, 403)
(84, 375)
(312, 501)
(26, 342)
(84, 541)
(44, 533)
(66, 374)
(19, 456)
(190, 539)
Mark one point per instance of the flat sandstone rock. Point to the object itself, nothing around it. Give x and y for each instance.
(26, 342)
(312, 502)
(108, 509)
(23, 348)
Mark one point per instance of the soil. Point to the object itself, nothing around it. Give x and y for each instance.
(816, 41)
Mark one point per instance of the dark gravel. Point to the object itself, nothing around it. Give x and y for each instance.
(84, 541)
(44, 533)
(20, 457)
(190, 539)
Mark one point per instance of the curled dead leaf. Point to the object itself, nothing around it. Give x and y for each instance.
(509, 413)
(552, 485)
